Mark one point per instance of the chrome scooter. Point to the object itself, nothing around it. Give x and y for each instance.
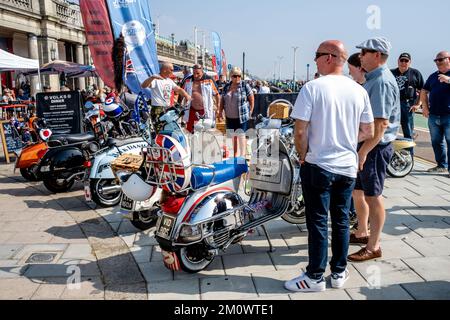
(208, 215)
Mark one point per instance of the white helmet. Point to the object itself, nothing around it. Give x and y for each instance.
(136, 189)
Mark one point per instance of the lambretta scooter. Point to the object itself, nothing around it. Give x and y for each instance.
(207, 215)
(402, 162)
(142, 199)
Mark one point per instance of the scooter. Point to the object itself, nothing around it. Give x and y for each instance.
(206, 215)
(402, 161)
(27, 159)
(140, 199)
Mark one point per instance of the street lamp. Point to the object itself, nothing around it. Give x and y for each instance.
(295, 67)
(173, 42)
(307, 72)
(279, 68)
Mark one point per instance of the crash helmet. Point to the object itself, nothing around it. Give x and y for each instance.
(112, 109)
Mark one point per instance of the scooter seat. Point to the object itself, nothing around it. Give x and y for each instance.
(73, 138)
(122, 142)
(222, 172)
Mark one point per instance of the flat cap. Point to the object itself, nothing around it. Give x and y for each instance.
(379, 44)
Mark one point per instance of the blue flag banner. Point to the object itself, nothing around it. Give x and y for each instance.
(132, 19)
(217, 51)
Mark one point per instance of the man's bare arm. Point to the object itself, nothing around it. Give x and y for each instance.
(380, 128)
(366, 131)
(425, 104)
(301, 138)
(183, 93)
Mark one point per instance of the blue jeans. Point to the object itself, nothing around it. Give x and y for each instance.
(440, 134)
(407, 121)
(324, 191)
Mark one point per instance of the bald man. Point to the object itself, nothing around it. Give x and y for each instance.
(333, 113)
(435, 98)
(163, 90)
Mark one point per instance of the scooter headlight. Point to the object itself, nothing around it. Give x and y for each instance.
(190, 233)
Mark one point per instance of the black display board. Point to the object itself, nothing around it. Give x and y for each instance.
(11, 140)
(61, 110)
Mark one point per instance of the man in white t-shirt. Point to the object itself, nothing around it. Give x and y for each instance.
(163, 90)
(163, 87)
(333, 113)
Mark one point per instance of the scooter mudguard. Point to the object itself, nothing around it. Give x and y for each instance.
(401, 144)
(29, 155)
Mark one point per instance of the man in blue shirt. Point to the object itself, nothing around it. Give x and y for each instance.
(375, 154)
(435, 98)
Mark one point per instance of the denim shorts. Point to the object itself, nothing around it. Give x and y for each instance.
(371, 178)
(235, 124)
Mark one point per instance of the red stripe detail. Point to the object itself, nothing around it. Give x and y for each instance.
(191, 209)
(301, 283)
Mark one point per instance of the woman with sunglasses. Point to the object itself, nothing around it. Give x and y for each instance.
(238, 102)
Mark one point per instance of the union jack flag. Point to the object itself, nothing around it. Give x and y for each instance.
(176, 175)
(129, 74)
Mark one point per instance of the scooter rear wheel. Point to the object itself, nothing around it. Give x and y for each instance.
(58, 185)
(28, 174)
(147, 221)
(104, 200)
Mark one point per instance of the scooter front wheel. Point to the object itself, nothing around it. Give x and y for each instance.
(58, 185)
(401, 164)
(194, 259)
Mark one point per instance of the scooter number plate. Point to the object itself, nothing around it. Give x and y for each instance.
(87, 192)
(165, 227)
(126, 203)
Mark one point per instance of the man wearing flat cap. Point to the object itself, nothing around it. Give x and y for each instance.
(410, 82)
(375, 154)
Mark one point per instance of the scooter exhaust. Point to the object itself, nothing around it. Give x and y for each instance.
(109, 189)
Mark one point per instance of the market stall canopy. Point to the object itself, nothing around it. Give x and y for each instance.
(59, 66)
(12, 62)
(83, 74)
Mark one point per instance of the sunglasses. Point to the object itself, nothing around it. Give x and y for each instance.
(365, 51)
(236, 76)
(404, 60)
(440, 59)
(321, 54)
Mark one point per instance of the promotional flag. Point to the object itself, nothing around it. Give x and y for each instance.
(224, 64)
(214, 64)
(217, 49)
(132, 19)
(99, 38)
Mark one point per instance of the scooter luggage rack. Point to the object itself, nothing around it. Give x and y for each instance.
(164, 173)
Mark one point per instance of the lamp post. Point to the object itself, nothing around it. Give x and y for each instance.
(295, 68)
(173, 42)
(195, 46)
(279, 68)
(307, 72)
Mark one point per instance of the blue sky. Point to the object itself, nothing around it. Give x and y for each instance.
(266, 30)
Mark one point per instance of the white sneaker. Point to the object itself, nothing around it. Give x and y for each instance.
(338, 279)
(304, 284)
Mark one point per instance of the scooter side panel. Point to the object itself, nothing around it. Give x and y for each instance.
(29, 155)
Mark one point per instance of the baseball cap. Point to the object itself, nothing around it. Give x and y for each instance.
(405, 55)
(379, 44)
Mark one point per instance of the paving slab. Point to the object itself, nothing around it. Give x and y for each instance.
(227, 288)
(393, 292)
(29, 238)
(9, 250)
(155, 272)
(174, 290)
(398, 249)
(260, 244)
(17, 289)
(141, 254)
(431, 268)
(215, 269)
(134, 291)
(247, 263)
(12, 271)
(145, 239)
(269, 284)
(90, 289)
(432, 290)
(431, 247)
(51, 289)
(430, 228)
(386, 272)
(29, 249)
(429, 214)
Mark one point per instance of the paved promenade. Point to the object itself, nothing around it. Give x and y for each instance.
(59, 247)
